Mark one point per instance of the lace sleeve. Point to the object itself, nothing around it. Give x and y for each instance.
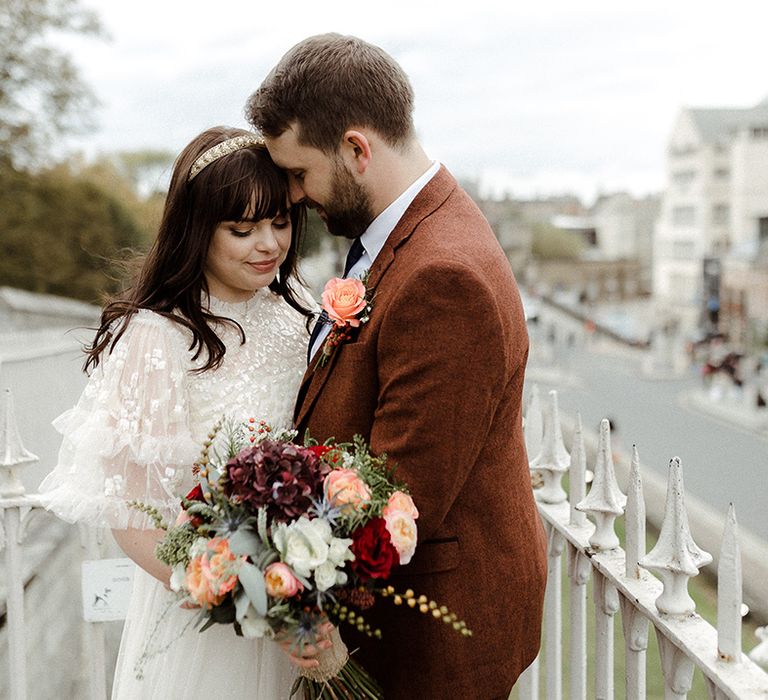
(128, 437)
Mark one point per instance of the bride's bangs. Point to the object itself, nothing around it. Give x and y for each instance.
(261, 192)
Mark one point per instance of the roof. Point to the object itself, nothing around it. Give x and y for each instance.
(718, 124)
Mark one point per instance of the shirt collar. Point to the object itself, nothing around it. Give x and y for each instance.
(378, 231)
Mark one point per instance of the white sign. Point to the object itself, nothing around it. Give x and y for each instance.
(107, 585)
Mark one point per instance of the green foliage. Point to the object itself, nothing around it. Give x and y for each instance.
(552, 243)
(41, 94)
(59, 233)
(173, 549)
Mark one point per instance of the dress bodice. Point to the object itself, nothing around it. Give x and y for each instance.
(258, 378)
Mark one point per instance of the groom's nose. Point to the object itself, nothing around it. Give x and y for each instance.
(295, 191)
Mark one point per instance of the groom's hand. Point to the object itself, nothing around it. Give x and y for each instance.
(306, 659)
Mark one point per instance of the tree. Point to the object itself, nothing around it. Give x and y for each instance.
(41, 93)
(61, 232)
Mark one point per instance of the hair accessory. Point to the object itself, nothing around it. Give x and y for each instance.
(223, 149)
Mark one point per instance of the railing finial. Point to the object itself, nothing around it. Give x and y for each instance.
(553, 459)
(605, 501)
(676, 557)
(533, 428)
(12, 451)
(760, 653)
(634, 519)
(729, 592)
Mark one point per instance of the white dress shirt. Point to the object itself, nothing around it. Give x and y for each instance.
(375, 236)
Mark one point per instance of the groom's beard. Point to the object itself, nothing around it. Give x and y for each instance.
(349, 211)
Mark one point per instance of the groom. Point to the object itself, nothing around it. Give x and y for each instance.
(434, 378)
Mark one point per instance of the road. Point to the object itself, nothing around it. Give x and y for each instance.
(721, 461)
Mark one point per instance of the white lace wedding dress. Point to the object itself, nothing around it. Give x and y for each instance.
(134, 434)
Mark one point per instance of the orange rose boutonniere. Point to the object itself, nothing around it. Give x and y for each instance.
(348, 305)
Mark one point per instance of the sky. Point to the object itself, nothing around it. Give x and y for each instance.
(527, 99)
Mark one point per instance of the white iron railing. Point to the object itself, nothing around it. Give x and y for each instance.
(621, 578)
(622, 582)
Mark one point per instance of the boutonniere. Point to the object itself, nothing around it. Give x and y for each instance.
(348, 305)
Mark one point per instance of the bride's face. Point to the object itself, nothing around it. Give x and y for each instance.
(245, 256)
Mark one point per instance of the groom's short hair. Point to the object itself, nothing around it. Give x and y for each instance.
(330, 83)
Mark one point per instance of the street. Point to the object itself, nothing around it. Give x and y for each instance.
(722, 462)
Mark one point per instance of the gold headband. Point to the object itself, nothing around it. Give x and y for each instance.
(223, 149)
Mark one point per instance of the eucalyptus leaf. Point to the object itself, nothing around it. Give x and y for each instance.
(262, 526)
(252, 581)
(244, 541)
(241, 605)
(266, 558)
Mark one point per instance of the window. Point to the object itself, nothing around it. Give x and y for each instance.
(721, 174)
(683, 178)
(683, 249)
(720, 214)
(760, 132)
(683, 216)
(762, 229)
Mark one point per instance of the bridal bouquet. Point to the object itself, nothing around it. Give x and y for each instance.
(279, 539)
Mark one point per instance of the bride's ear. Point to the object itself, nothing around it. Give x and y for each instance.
(357, 150)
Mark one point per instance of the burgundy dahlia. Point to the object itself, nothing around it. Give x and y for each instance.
(281, 476)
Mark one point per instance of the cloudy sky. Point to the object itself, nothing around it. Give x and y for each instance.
(532, 98)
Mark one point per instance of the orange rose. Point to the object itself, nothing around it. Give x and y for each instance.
(344, 488)
(343, 300)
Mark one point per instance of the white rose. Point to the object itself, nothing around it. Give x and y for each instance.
(325, 576)
(321, 527)
(340, 551)
(303, 544)
(402, 529)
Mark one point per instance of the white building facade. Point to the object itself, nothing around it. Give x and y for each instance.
(716, 203)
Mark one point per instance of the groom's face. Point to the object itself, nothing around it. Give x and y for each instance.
(324, 183)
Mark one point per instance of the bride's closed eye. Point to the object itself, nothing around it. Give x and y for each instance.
(281, 222)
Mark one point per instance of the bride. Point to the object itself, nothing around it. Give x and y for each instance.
(211, 326)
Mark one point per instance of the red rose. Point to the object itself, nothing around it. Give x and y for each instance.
(375, 555)
(319, 450)
(196, 494)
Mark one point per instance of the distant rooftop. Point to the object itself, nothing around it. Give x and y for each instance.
(719, 124)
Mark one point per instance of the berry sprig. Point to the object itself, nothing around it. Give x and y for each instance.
(426, 606)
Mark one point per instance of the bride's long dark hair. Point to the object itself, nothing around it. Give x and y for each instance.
(170, 280)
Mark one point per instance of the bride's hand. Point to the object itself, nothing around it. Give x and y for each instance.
(307, 657)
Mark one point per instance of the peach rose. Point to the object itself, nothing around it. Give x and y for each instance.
(213, 574)
(402, 529)
(199, 585)
(280, 581)
(343, 300)
(403, 502)
(344, 488)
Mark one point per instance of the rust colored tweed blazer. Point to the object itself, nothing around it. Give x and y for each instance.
(435, 380)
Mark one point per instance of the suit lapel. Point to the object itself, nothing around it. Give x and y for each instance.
(435, 192)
